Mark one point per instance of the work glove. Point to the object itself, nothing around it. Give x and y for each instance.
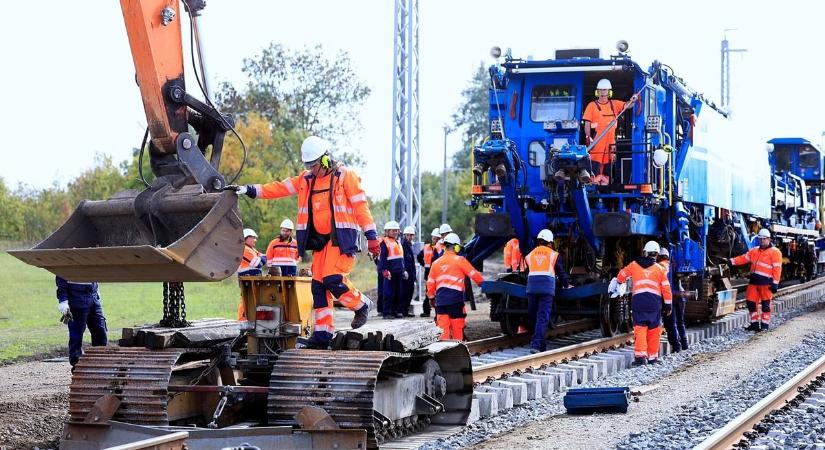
(387, 274)
(241, 190)
(667, 308)
(374, 247)
(63, 307)
(774, 287)
(406, 276)
(613, 287)
(263, 260)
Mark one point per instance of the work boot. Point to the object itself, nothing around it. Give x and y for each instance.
(639, 362)
(684, 344)
(533, 351)
(310, 344)
(754, 326)
(764, 326)
(398, 315)
(675, 347)
(651, 362)
(424, 314)
(361, 316)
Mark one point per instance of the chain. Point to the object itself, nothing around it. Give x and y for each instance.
(174, 306)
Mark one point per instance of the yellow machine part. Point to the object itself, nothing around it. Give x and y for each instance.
(292, 295)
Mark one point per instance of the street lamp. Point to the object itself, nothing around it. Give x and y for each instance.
(447, 131)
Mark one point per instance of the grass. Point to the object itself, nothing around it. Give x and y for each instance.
(29, 320)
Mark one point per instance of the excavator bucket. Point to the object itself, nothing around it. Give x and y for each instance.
(160, 234)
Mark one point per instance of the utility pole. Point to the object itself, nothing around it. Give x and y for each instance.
(447, 131)
(726, 51)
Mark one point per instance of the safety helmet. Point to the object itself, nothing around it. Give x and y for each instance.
(313, 148)
(604, 83)
(764, 233)
(452, 239)
(287, 224)
(249, 232)
(435, 233)
(663, 252)
(445, 228)
(391, 225)
(545, 235)
(409, 230)
(651, 247)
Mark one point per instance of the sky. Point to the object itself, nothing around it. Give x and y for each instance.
(69, 92)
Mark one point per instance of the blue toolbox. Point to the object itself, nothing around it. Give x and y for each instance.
(593, 400)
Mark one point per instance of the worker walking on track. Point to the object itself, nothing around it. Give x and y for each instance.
(251, 263)
(675, 322)
(282, 252)
(766, 272)
(445, 288)
(331, 208)
(513, 260)
(79, 304)
(408, 284)
(651, 297)
(391, 267)
(545, 269)
(597, 116)
(426, 257)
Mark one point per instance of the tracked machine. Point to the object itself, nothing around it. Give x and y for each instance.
(220, 383)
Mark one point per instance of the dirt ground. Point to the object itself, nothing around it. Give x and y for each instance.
(34, 394)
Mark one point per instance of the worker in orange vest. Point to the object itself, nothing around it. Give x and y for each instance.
(426, 256)
(391, 268)
(445, 288)
(513, 260)
(597, 116)
(651, 298)
(545, 268)
(766, 272)
(282, 252)
(251, 263)
(331, 208)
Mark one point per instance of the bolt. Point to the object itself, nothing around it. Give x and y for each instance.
(217, 184)
(167, 15)
(187, 143)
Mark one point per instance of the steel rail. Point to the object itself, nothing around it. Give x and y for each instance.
(504, 341)
(731, 434)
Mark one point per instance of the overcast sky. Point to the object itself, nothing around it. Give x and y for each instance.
(69, 91)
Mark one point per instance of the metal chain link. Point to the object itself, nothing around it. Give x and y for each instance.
(174, 306)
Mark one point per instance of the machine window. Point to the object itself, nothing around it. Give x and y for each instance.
(783, 158)
(552, 103)
(535, 154)
(808, 158)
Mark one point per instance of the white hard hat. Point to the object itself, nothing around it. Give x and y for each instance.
(452, 239)
(409, 230)
(604, 83)
(663, 252)
(445, 228)
(288, 224)
(652, 247)
(435, 233)
(314, 148)
(545, 235)
(391, 225)
(249, 232)
(764, 233)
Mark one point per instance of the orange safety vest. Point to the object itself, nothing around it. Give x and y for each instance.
(428, 256)
(282, 253)
(542, 265)
(766, 265)
(345, 206)
(512, 256)
(650, 281)
(446, 281)
(251, 259)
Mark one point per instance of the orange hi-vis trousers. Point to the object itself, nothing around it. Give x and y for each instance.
(451, 320)
(757, 296)
(330, 271)
(646, 343)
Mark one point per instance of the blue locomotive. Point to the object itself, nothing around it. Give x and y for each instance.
(680, 173)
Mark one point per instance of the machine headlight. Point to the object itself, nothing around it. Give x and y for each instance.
(659, 158)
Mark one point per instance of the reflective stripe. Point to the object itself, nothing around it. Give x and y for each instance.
(342, 209)
(391, 257)
(283, 262)
(448, 277)
(357, 198)
(765, 265)
(301, 226)
(542, 273)
(457, 287)
(346, 225)
(289, 186)
(764, 274)
(647, 290)
(369, 227)
(644, 281)
(320, 313)
(303, 210)
(779, 264)
(258, 188)
(472, 273)
(323, 327)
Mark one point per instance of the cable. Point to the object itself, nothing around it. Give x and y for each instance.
(140, 157)
(206, 96)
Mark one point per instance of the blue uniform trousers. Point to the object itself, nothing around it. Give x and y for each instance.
(392, 298)
(86, 312)
(539, 307)
(675, 324)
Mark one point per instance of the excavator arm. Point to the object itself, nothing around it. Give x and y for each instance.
(182, 227)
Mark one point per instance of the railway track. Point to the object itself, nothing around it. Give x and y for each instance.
(756, 420)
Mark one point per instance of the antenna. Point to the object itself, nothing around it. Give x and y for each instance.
(726, 50)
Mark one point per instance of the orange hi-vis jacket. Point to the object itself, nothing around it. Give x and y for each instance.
(251, 259)
(336, 202)
(766, 265)
(600, 115)
(392, 256)
(446, 281)
(282, 253)
(542, 262)
(648, 282)
(512, 256)
(428, 255)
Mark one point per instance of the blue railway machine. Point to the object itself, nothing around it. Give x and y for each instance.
(681, 174)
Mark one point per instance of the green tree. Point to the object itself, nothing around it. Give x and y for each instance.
(471, 116)
(460, 217)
